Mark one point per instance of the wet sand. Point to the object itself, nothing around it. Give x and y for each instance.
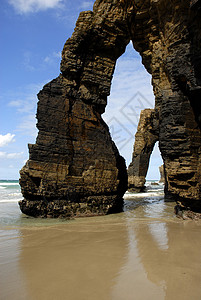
(143, 253)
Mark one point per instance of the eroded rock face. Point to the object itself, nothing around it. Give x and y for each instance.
(145, 139)
(168, 36)
(74, 168)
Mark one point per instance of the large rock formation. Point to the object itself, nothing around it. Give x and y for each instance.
(168, 36)
(145, 139)
(74, 168)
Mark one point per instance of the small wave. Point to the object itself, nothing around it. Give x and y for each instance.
(8, 183)
(151, 190)
(15, 194)
(142, 195)
(10, 201)
(2, 187)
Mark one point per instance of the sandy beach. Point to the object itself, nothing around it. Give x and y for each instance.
(142, 253)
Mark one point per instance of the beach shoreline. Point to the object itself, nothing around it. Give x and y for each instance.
(145, 252)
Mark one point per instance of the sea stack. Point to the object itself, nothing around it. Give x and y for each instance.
(162, 174)
(145, 139)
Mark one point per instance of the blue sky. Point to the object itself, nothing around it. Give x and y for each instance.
(33, 33)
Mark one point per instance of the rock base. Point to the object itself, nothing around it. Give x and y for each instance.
(145, 139)
(86, 207)
(137, 189)
(186, 214)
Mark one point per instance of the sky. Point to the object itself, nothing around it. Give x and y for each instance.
(32, 34)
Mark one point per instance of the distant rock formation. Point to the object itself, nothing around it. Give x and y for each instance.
(145, 139)
(162, 175)
(74, 168)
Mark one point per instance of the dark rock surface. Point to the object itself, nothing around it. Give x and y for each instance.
(74, 167)
(168, 36)
(145, 139)
(162, 174)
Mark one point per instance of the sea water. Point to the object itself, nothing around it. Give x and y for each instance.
(10, 214)
(9, 191)
(10, 195)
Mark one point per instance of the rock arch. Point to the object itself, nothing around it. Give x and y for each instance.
(74, 168)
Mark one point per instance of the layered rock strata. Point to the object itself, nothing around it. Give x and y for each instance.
(74, 168)
(168, 36)
(145, 139)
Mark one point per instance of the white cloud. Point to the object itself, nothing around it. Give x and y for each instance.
(28, 126)
(15, 103)
(24, 106)
(54, 57)
(11, 155)
(34, 63)
(87, 5)
(25, 99)
(30, 6)
(28, 61)
(6, 139)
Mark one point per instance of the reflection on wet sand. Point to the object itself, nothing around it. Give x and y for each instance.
(182, 259)
(74, 261)
(168, 253)
(145, 253)
(178, 266)
(11, 279)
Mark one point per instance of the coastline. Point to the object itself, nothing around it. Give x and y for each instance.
(145, 252)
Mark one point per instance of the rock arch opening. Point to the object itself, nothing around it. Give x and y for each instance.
(131, 92)
(155, 169)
